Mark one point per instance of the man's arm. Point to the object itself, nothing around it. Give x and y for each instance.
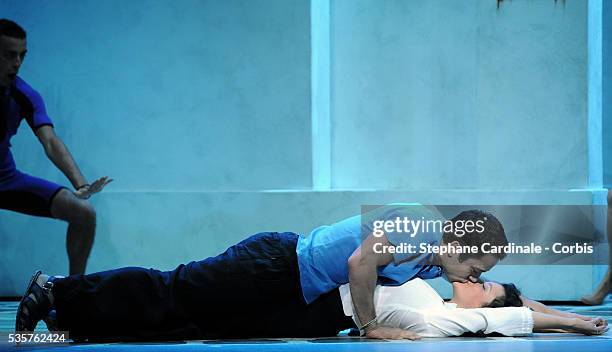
(363, 275)
(60, 156)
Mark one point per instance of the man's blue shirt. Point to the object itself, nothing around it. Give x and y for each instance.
(18, 102)
(323, 255)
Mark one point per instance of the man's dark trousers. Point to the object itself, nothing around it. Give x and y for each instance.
(251, 290)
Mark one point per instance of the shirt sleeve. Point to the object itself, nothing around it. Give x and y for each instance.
(508, 321)
(403, 317)
(32, 105)
(39, 113)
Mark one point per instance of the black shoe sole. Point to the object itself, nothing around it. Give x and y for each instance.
(19, 328)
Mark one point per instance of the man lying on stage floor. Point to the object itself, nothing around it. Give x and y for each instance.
(270, 272)
(272, 283)
(108, 306)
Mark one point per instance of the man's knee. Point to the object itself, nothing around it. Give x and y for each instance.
(67, 207)
(81, 212)
(85, 214)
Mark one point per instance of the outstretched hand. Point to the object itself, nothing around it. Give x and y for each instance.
(596, 326)
(87, 191)
(386, 333)
(599, 321)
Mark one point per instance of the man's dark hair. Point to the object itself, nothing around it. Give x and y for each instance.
(11, 29)
(493, 233)
(512, 298)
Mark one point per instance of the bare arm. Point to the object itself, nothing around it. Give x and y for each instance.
(363, 275)
(543, 322)
(60, 156)
(542, 308)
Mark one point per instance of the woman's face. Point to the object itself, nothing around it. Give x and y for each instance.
(476, 294)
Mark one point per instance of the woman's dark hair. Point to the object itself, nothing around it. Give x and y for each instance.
(512, 298)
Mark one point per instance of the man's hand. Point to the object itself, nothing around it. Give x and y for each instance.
(385, 333)
(87, 191)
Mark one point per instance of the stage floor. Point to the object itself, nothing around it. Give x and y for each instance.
(536, 342)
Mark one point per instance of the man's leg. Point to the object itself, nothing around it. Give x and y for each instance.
(81, 218)
(127, 304)
(251, 280)
(257, 271)
(35, 196)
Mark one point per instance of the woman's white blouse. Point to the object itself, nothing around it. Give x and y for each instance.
(417, 307)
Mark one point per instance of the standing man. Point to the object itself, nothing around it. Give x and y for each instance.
(27, 194)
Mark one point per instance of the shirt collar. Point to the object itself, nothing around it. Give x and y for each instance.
(430, 272)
